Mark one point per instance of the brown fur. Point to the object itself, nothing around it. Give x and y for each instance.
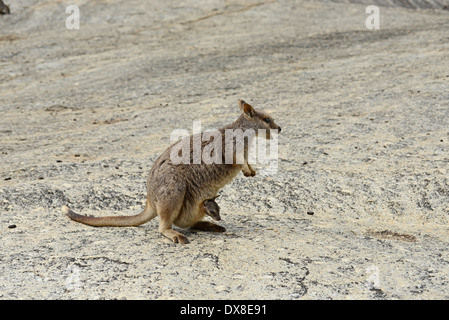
(177, 192)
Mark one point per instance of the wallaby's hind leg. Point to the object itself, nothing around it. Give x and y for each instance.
(168, 212)
(165, 227)
(208, 226)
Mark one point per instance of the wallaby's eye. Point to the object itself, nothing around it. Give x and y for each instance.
(267, 120)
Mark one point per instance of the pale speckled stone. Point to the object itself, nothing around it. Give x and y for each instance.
(364, 146)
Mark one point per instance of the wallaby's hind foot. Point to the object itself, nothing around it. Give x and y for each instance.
(175, 236)
(165, 227)
(208, 226)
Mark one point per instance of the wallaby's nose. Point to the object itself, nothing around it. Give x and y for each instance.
(279, 128)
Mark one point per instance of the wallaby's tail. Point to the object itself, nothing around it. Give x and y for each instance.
(146, 215)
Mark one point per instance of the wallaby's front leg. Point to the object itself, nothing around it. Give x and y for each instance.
(248, 171)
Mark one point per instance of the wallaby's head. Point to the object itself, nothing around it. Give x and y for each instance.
(257, 119)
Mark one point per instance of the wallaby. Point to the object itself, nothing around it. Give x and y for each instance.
(212, 209)
(177, 192)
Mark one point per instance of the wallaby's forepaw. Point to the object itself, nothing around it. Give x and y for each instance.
(248, 170)
(250, 173)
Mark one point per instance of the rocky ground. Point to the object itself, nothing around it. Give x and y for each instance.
(357, 208)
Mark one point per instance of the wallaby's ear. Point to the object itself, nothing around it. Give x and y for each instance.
(246, 108)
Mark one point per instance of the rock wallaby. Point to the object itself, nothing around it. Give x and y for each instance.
(183, 193)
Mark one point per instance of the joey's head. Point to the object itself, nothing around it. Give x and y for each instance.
(257, 119)
(212, 209)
